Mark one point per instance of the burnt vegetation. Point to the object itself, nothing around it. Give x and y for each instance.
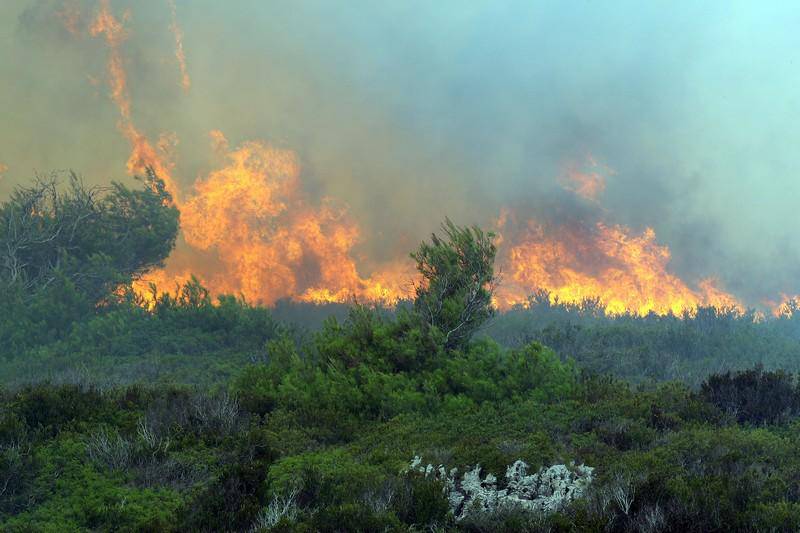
(193, 413)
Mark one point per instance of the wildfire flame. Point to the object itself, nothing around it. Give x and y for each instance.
(180, 55)
(250, 215)
(272, 243)
(787, 307)
(626, 271)
(249, 229)
(587, 181)
(114, 34)
(143, 153)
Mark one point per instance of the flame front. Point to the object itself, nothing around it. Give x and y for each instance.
(248, 228)
(626, 271)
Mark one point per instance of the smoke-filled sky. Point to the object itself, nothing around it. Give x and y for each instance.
(412, 110)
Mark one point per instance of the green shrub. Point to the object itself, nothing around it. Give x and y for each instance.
(421, 502)
(753, 396)
(234, 498)
(50, 408)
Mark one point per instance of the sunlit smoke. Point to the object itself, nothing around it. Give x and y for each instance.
(71, 17)
(587, 180)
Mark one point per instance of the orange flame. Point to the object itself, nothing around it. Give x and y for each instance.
(625, 271)
(249, 229)
(143, 154)
(787, 307)
(252, 217)
(114, 33)
(586, 181)
(164, 282)
(180, 55)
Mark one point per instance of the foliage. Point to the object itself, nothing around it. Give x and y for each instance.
(686, 348)
(95, 237)
(186, 338)
(232, 500)
(455, 297)
(754, 396)
(66, 250)
(288, 430)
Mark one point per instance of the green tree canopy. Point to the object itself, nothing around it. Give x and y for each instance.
(95, 237)
(455, 295)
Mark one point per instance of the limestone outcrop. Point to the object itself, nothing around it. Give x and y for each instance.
(544, 492)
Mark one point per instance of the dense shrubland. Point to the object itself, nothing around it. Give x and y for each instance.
(686, 348)
(322, 446)
(197, 415)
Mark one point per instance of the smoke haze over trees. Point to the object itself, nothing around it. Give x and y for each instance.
(422, 108)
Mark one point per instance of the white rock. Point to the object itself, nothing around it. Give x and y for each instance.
(547, 491)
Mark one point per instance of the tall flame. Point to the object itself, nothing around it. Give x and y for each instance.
(249, 216)
(249, 229)
(180, 55)
(143, 153)
(114, 34)
(272, 243)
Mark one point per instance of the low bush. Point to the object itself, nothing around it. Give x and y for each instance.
(753, 396)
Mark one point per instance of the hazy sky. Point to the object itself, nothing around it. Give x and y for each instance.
(412, 110)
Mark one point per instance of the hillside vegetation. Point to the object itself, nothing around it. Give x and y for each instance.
(200, 415)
